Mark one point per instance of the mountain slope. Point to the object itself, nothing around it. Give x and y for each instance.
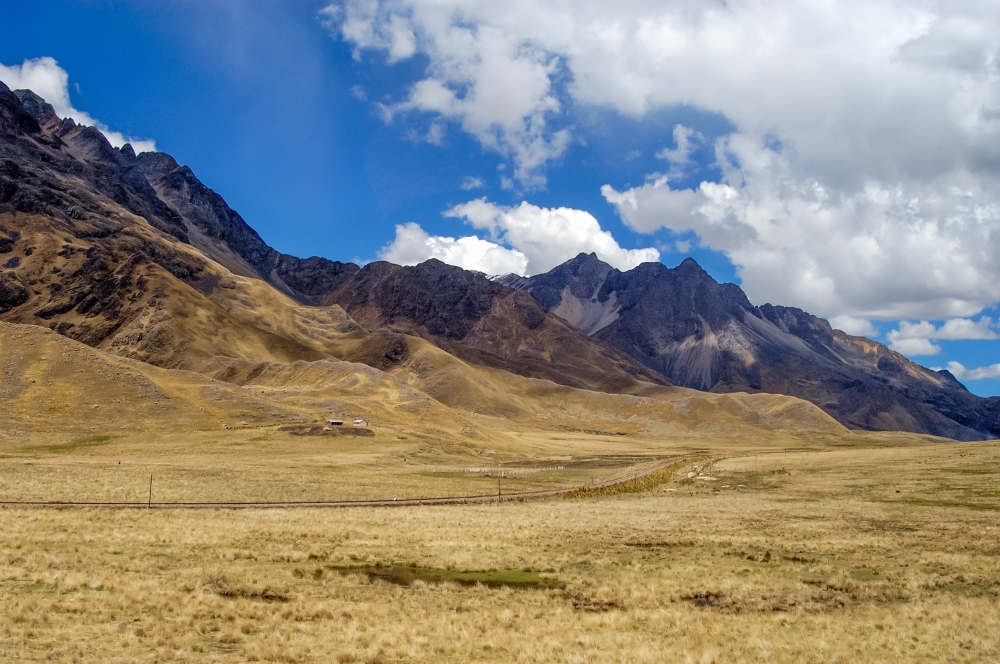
(462, 312)
(702, 334)
(134, 254)
(484, 323)
(222, 234)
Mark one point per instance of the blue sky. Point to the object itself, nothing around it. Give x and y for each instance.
(512, 139)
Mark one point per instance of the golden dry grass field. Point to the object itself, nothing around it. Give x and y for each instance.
(881, 548)
(785, 537)
(269, 465)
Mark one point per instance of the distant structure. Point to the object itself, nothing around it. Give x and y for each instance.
(360, 422)
(335, 423)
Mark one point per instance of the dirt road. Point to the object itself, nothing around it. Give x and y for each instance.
(453, 500)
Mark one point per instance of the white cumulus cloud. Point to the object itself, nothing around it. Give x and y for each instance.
(412, 245)
(549, 236)
(680, 156)
(915, 338)
(959, 371)
(493, 83)
(915, 347)
(48, 80)
(964, 328)
(524, 239)
(860, 176)
(858, 327)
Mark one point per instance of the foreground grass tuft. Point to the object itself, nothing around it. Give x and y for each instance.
(224, 586)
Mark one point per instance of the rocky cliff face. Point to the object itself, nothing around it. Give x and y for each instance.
(699, 333)
(485, 323)
(222, 234)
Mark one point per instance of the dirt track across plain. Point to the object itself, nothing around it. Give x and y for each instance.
(452, 500)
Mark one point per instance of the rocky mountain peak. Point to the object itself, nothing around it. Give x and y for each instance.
(157, 165)
(583, 275)
(13, 116)
(39, 109)
(692, 267)
(700, 333)
(126, 153)
(689, 262)
(445, 300)
(582, 260)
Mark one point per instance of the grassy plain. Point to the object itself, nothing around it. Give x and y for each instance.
(883, 548)
(268, 465)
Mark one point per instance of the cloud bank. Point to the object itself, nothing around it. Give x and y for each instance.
(861, 178)
(48, 80)
(412, 245)
(526, 240)
(915, 338)
(958, 370)
(489, 80)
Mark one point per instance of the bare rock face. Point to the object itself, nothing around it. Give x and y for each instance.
(310, 278)
(12, 292)
(14, 117)
(44, 159)
(37, 107)
(483, 322)
(699, 333)
(444, 300)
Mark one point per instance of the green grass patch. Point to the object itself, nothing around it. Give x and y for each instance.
(639, 485)
(406, 575)
(26, 586)
(982, 507)
(35, 587)
(865, 574)
(80, 443)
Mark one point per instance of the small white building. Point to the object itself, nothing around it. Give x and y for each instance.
(360, 422)
(335, 423)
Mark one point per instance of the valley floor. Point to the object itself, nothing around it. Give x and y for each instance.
(870, 552)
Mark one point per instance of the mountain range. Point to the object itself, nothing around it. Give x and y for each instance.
(134, 256)
(698, 333)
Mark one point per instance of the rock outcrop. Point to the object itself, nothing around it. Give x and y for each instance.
(699, 333)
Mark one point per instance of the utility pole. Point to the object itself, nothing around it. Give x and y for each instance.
(150, 503)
